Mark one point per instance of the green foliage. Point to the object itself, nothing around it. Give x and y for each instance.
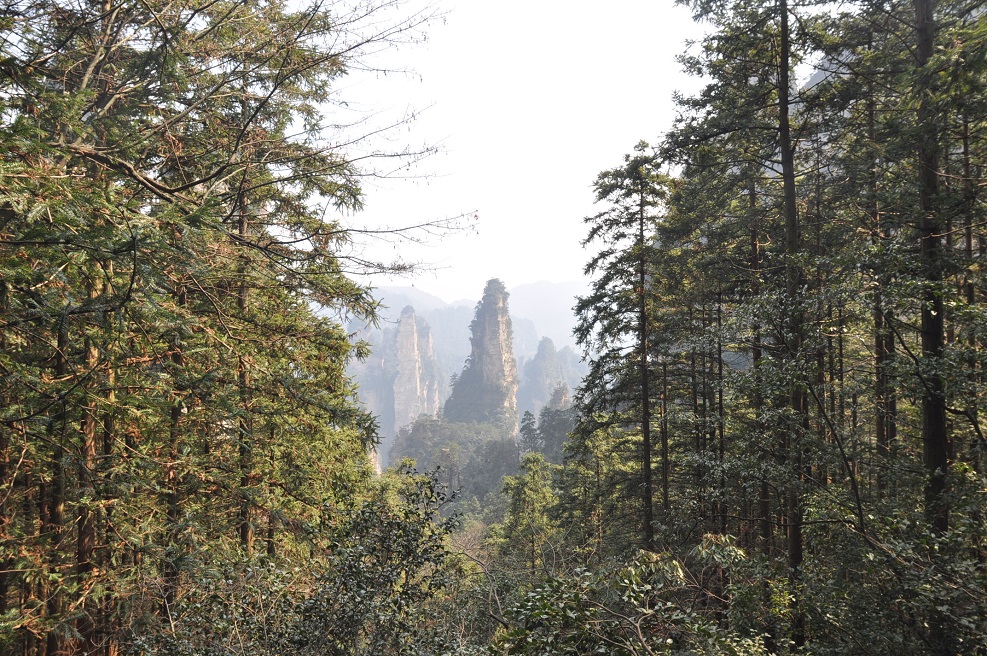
(172, 355)
(614, 326)
(625, 610)
(470, 458)
(371, 572)
(528, 536)
(814, 315)
(555, 424)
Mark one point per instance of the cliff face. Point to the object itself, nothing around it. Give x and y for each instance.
(374, 377)
(402, 379)
(486, 390)
(416, 383)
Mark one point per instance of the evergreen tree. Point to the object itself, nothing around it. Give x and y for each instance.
(788, 358)
(524, 539)
(169, 189)
(617, 390)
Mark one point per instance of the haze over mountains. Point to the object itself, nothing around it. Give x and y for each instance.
(547, 306)
(423, 343)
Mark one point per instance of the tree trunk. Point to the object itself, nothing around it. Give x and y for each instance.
(757, 400)
(648, 492)
(86, 520)
(172, 478)
(664, 440)
(795, 334)
(245, 455)
(935, 437)
(53, 496)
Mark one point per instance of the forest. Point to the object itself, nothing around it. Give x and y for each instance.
(777, 448)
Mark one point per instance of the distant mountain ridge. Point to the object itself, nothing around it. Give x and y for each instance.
(549, 305)
(395, 299)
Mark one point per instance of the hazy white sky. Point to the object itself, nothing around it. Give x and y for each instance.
(527, 101)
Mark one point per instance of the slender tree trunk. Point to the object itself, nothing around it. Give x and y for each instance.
(271, 519)
(757, 400)
(245, 455)
(934, 433)
(720, 421)
(973, 344)
(172, 478)
(86, 520)
(598, 508)
(105, 623)
(795, 334)
(935, 437)
(53, 497)
(8, 479)
(697, 441)
(969, 291)
(7, 514)
(885, 420)
(648, 496)
(6, 546)
(885, 401)
(665, 465)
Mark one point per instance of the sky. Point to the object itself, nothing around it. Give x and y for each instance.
(525, 102)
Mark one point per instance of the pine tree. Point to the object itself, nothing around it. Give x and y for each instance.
(618, 388)
(168, 191)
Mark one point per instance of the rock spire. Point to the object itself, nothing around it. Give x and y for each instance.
(486, 390)
(416, 383)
